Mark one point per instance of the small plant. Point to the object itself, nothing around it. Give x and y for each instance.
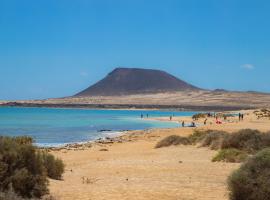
(172, 140)
(230, 155)
(252, 180)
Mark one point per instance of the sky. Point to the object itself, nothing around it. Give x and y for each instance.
(55, 48)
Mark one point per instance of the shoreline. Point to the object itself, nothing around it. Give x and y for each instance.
(117, 137)
(128, 106)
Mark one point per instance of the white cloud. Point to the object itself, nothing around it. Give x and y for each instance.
(248, 66)
(84, 74)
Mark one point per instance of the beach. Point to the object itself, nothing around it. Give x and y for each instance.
(129, 167)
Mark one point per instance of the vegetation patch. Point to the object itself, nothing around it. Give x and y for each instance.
(247, 140)
(172, 140)
(214, 139)
(199, 115)
(251, 181)
(23, 168)
(235, 147)
(54, 166)
(230, 155)
(198, 136)
(263, 113)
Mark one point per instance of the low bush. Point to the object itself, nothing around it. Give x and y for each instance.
(172, 140)
(199, 115)
(248, 140)
(252, 180)
(198, 136)
(230, 155)
(214, 139)
(22, 168)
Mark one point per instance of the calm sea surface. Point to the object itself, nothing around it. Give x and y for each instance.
(54, 127)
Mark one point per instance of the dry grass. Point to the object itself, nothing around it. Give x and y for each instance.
(214, 139)
(172, 140)
(247, 140)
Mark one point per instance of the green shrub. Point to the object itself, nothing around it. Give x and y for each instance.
(252, 180)
(230, 155)
(54, 166)
(172, 140)
(214, 139)
(247, 140)
(22, 168)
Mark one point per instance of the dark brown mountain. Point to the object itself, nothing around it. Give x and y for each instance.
(126, 81)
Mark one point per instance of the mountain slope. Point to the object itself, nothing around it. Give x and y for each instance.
(126, 81)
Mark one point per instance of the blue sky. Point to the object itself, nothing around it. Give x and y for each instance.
(55, 48)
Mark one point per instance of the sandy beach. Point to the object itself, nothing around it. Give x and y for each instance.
(129, 167)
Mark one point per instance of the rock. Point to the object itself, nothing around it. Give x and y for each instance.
(103, 150)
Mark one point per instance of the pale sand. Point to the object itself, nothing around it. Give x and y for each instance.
(136, 170)
(184, 98)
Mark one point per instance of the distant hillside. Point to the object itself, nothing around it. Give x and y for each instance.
(127, 81)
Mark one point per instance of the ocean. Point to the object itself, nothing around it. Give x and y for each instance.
(59, 126)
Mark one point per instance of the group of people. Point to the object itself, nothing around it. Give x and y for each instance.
(241, 116)
(143, 115)
(191, 125)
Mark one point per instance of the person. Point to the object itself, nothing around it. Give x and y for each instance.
(205, 121)
(141, 115)
(183, 123)
(193, 124)
(170, 118)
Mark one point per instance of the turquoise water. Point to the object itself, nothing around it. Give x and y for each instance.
(54, 127)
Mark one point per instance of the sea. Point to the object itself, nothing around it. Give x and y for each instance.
(52, 127)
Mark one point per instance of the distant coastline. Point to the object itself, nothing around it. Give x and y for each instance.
(129, 106)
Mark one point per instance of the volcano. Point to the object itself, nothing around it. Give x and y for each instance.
(128, 81)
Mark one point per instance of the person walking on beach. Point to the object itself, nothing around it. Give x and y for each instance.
(183, 123)
(205, 121)
(170, 118)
